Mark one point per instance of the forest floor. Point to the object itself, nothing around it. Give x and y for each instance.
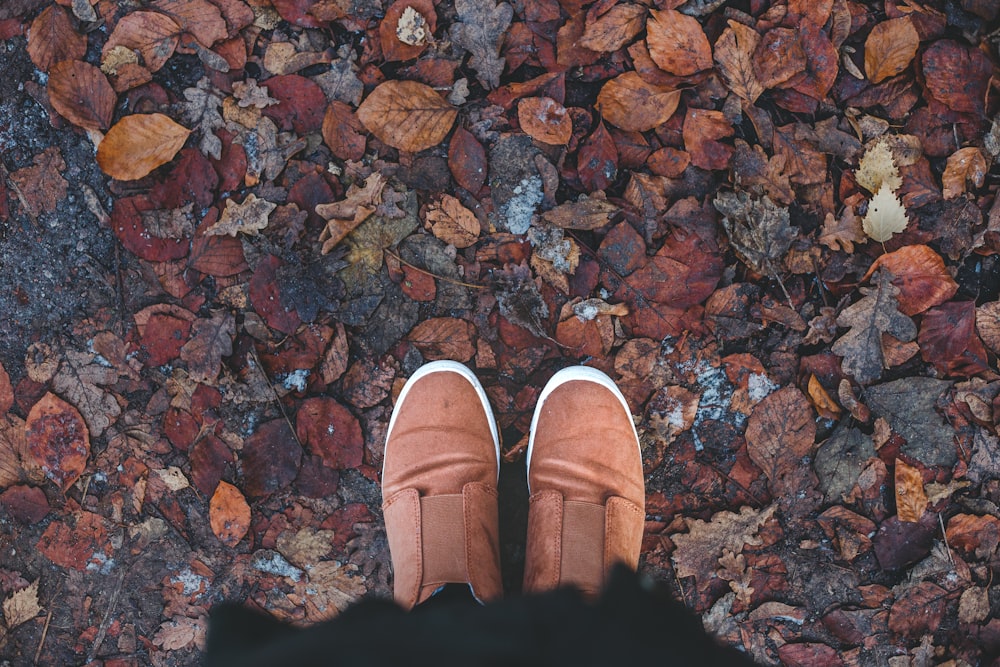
(231, 229)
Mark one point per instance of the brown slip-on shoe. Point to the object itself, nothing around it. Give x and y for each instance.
(587, 497)
(439, 486)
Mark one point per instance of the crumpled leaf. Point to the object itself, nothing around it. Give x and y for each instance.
(138, 144)
(698, 551)
(202, 112)
(886, 215)
(908, 405)
(734, 58)
(249, 217)
(153, 34)
(964, 165)
(875, 314)
(911, 500)
(480, 30)
(171, 223)
(345, 215)
(21, 606)
(211, 339)
(758, 230)
(407, 115)
(180, 632)
(878, 166)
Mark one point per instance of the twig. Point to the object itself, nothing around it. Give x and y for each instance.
(277, 399)
(106, 621)
(45, 632)
(944, 534)
(428, 273)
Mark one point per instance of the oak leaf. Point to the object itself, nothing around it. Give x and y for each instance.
(229, 514)
(677, 43)
(875, 314)
(886, 215)
(698, 551)
(921, 276)
(249, 217)
(964, 165)
(407, 115)
(629, 102)
(202, 112)
(58, 440)
(613, 29)
(138, 144)
(758, 230)
(890, 47)
(81, 94)
(480, 30)
(734, 58)
(843, 232)
(545, 120)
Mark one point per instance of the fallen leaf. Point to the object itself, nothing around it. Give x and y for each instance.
(911, 501)
(698, 551)
(957, 75)
(138, 144)
(202, 112)
(21, 606)
(199, 17)
(677, 43)
(343, 132)
(874, 315)
(52, 38)
(758, 230)
(81, 94)
(406, 28)
(248, 217)
(211, 339)
(919, 610)
(821, 399)
(988, 324)
(921, 276)
(614, 28)
(629, 102)
(908, 406)
(480, 30)
(328, 430)
(780, 434)
(305, 547)
(840, 459)
(597, 159)
(444, 338)
(545, 120)
(585, 214)
(877, 166)
(949, 342)
(78, 542)
(42, 184)
(332, 588)
(890, 47)
(467, 160)
(779, 57)
(345, 215)
(702, 130)
(271, 458)
(229, 514)
(734, 59)
(153, 34)
(453, 223)
(843, 232)
(964, 165)
(886, 215)
(6, 392)
(973, 605)
(179, 633)
(407, 115)
(58, 440)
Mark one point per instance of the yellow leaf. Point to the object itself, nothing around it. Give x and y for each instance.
(876, 167)
(21, 606)
(138, 144)
(886, 215)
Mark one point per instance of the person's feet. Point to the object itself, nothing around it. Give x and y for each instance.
(587, 503)
(439, 486)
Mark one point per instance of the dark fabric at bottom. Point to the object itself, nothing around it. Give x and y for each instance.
(628, 625)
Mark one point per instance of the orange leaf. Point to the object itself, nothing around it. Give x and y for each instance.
(821, 400)
(6, 392)
(545, 120)
(890, 47)
(58, 439)
(405, 34)
(407, 115)
(734, 58)
(911, 501)
(52, 38)
(81, 94)
(138, 144)
(453, 223)
(613, 29)
(229, 514)
(444, 338)
(632, 104)
(920, 275)
(965, 164)
(199, 17)
(677, 44)
(153, 34)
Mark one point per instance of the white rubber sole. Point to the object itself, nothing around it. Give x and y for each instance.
(573, 373)
(446, 366)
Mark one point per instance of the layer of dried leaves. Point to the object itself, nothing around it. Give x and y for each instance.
(774, 223)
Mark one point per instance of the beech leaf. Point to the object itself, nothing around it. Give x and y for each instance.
(81, 94)
(886, 215)
(138, 144)
(407, 115)
(734, 58)
(229, 514)
(629, 102)
(677, 43)
(890, 47)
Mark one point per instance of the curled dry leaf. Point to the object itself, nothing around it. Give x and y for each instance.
(734, 58)
(152, 34)
(453, 223)
(545, 120)
(250, 216)
(229, 514)
(964, 165)
(480, 30)
(677, 43)
(407, 115)
(890, 47)
(886, 215)
(58, 440)
(629, 102)
(138, 144)
(81, 94)
(911, 500)
(921, 276)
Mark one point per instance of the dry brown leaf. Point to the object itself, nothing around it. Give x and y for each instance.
(249, 217)
(306, 546)
(966, 165)
(886, 215)
(138, 144)
(629, 102)
(229, 514)
(821, 400)
(344, 215)
(613, 29)
(453, 223)
(6, 391)
(677, 43)
(52, 38)
(199, 17)
(57, 439)
(152, 34)
(843, 232)
(586, 214)
(734, 58)
(21, 606)
(407, 115)
(444, 338)
(890, 47)
(331, 588)
(211, 339)
(180, 632)
(921, 276)
(480, 29)
(878, 166)
(988, 324)
(81, 94)
(974, 605)
(698, 551)
(545, 120)
(911, 500)
(16, 463)
(780, 433)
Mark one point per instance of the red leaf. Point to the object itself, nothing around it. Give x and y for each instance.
(127, 225)
(266, 300)
(79, 543)
(301, 103)
(467, 160)
(27, 504)
(328, 429)
(270, 458)
(597, 160)
(949, 341)
(58, 440)
(957, 76)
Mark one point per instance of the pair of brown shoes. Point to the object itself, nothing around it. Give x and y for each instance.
(439, 485)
